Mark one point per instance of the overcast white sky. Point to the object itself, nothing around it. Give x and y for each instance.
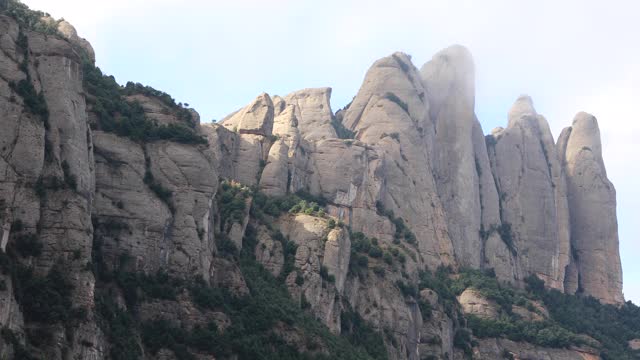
(218, 55)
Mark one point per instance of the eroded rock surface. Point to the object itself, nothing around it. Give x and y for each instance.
(592, 204)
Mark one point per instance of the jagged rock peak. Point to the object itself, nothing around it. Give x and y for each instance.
(592, 203)
(256, 118)
(586, 133)
(522, 108)
(313, 112)
(69, 32)
(392, 83)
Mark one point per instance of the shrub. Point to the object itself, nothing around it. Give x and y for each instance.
(28, 245)
(406, 289)
(462, 340)
(361, 334)
(375, 251)
(425, 309)
(506, 234)
(387, 258)
(379, 271)
(115, 114)
(341, 131)
(534, 284)
(44, 299)
(395, 99)
(324, 274)
(34, 102)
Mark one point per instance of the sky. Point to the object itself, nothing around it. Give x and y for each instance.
(569, 56)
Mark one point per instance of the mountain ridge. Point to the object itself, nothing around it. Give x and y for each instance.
(130, 230)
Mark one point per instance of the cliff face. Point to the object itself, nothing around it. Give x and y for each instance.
(592, 201)
(113, 212)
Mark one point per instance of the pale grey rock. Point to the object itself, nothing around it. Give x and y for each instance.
(275, 177)
(337, 253)
(592, 204)
(239, 157)
(449, 81)
(532, 197)
(391, 114)
(313, 110)
(256, 118)
(473, 302)
(159, 112)
(308, 233)
(535, 312)
(56, 153)
(269, 252)
(69, 32)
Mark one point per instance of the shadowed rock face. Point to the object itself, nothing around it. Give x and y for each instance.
(419, 181)
(592, 204)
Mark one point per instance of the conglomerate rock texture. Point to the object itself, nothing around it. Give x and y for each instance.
(417, 179)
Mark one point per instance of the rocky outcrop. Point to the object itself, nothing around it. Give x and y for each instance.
(474, 303)
(399, 182)
(592, 204)
(533, 205)
(498, 348)
(310, 234)
(47, 167)
(391, 113)
(450, 87)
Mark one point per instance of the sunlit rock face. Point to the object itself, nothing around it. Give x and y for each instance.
(592, 205)
(532, 195)
(405, 178)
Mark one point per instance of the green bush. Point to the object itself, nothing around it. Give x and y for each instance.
(117, 115)
(341, 131)
(487, 284)
(324, 274)
(388, 258)
(534, 284)
(407, 289)
(379, 271)
(402, 231)
(375, 251)
(361, 334)
(395, 99)
(462, 340)
(119, 327)
(425, 309)
(34, 101)
(28, 245)
(29, 19)
(539, 333)
(44, 299)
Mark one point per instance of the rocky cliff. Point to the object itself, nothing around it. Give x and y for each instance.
(130, 230)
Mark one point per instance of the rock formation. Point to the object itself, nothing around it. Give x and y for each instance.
(143, 220)
(592, 204)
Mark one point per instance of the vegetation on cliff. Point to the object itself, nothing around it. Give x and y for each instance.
(125, 118)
